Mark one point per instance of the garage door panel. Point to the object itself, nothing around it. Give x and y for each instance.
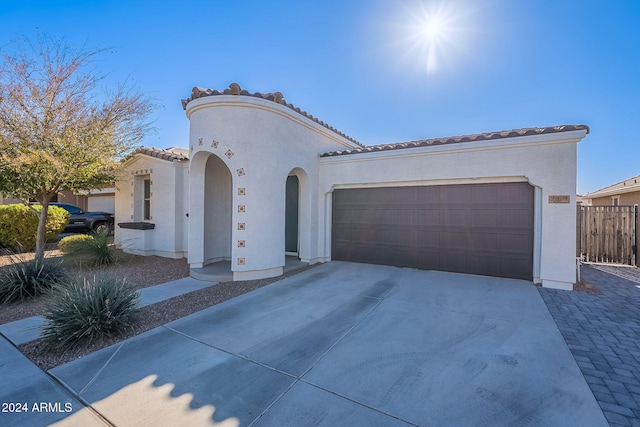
(455, 195)
(484, 194)
(454, 240)
(515, 218)
(513, 267)
(515, 243)
(393, 237)
(404, 195)
(426, 196)
(427, 239)
(456, 217)
(486, 265)
(513, 193)
(471, 228)
(485, 241)
(485, 218)
(428, 217)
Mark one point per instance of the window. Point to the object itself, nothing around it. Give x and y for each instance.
(142, 198)
(147, 200)
(616, 200)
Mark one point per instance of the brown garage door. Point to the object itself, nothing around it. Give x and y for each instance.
(476, 228)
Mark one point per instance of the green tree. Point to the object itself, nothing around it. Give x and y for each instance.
(57, 129)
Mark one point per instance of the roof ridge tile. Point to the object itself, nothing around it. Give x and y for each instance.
(277, 97)
(487, 136)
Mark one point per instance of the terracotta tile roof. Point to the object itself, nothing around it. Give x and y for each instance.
(457, 139)
(626, 186)
(173, 154)
(277, 97)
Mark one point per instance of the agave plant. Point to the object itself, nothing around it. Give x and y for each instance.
(24, 279)
(86, 310)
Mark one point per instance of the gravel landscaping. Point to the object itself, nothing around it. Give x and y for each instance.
(143, 272)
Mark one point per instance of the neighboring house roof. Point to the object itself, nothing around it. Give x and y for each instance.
(277, 97)
(627, 186)
(173, 154)
(457, 139)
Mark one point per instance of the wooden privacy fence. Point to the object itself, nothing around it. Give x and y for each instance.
(608, 234)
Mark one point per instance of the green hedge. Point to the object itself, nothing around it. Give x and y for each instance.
(75, 244)
(19, 225)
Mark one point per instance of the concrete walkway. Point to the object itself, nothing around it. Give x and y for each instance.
(26, 330)
(603, 334)
(42, 400)
(345, 344)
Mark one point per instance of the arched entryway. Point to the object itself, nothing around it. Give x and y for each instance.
(292, 215)
(210, 213)
(217, 211)
(297, 215)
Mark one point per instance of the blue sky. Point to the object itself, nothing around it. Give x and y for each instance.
(364, 67)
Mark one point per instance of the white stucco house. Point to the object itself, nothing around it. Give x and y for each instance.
(262, 180)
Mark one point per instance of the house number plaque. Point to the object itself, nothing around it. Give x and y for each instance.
(559, 199)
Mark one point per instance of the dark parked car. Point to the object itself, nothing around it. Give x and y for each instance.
(81, 221)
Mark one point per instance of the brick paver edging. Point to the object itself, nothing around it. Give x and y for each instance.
(603, 334)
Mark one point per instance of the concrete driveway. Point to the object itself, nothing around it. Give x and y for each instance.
(347, 344)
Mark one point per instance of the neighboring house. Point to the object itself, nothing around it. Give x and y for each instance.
(624, 193)
(94, 201)
(263, 179)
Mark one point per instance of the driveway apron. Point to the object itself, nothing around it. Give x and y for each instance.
(347, 344)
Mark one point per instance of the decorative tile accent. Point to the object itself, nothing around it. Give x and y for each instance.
(240, 261)
(214, 143)
(199, 141)
(241, 226)
(229, 154)
(242, 191)
(240, 172)
(191, 148)
(241, 243)
(242, 208)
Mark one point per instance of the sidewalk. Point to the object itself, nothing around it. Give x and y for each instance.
(35, 399)
(26, 330)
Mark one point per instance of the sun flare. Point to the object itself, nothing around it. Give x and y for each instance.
(433, 31)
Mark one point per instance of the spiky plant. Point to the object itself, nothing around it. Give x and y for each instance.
(24, 279)
(86, 310)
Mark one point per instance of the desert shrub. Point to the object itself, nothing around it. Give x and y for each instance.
(74, 244)
(19, 225)
(100, 249)
(86, 310)
(93, 249)
(24, 279)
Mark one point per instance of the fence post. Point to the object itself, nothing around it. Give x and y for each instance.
(635, 231)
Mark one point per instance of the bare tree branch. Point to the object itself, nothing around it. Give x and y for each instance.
(56, 131)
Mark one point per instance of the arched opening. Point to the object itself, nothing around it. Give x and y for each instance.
(292, 215)
(217, 211)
